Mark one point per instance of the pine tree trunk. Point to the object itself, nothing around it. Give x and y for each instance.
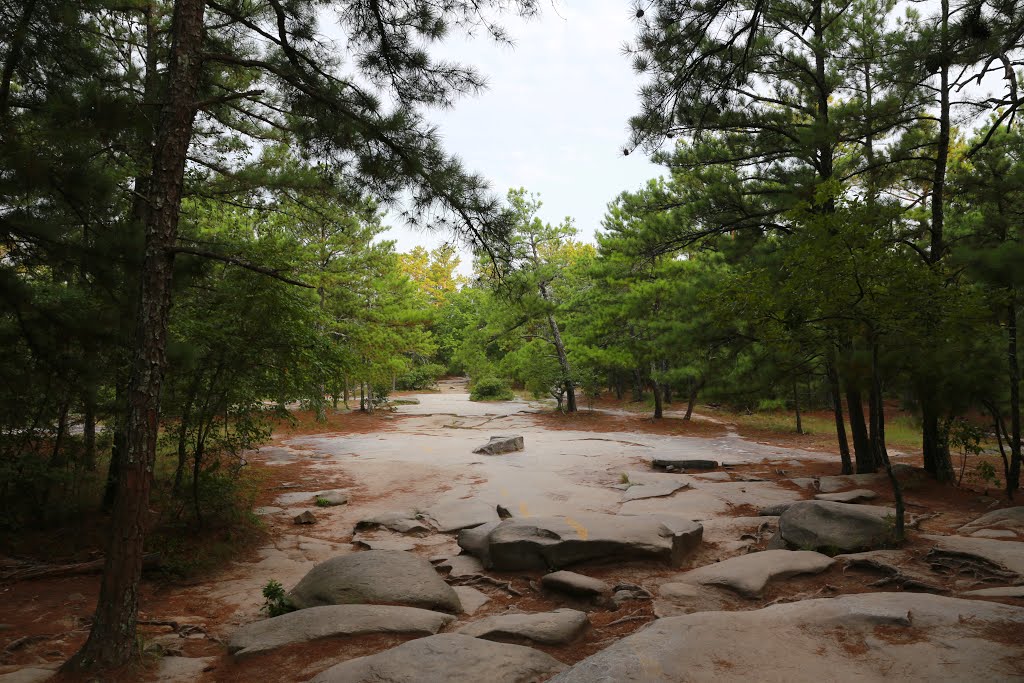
(692, 400)
(112, 639)
(563, 362)
(620, 389)
(638, 387)
(837, 411)
(877, 411)
(864, 457)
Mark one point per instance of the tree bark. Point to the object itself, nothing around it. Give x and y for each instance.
(112, 639)
(796, 407)
(837, 411)
(638, 387)
(563, 361)
(89, 429)
(691, 401)
(864, 457)
(876, 412)
(659, 407)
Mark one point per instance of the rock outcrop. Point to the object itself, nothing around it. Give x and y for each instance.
(557, 542)
(749, 574)
(871, 637)
(824, 525)
(447, 658)
(333, 621)
(497, 445)
(382, 577)
(548, 628)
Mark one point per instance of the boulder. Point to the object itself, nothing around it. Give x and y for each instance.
(869, 637)
(447, 658)
(823, 525)
(331, 498)
(1008, 556)
(471, 599)
(556, 542)
(749, 574)
(548, 628)
(461, 514)
(476, 541)
(668, 463)
(574, 584)
(382, 543)
(1007, 519)
(501, 444)
(403, 521)
(306, 517)
(383, 577)
(854, 496)
(332, 621)
(774, 510)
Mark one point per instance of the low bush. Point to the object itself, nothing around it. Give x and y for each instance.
(491, 389)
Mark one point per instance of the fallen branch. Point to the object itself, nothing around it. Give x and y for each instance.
(44, 571)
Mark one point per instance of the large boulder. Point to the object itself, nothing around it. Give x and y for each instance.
(749, 574)
(838, 527)
(501, 444)
(548, 628)
(332, 621)
(870, 637)
(556, 542)
(381, 577)
(402, 521)
(447, 658)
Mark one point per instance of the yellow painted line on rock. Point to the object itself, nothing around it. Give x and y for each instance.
(580, 530)
(523, 511)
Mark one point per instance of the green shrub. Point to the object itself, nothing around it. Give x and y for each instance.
(275, 601)
(491, 389)
(421, 377)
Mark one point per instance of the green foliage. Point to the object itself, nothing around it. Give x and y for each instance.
(275, 599)
(490, 389)
(421, 377)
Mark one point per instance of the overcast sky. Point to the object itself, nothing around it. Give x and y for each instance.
(554, 117)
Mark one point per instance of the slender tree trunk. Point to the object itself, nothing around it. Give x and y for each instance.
(638, 387)
(864, 457)
(563, 362)
(362, 397)
(691, 401)
(112, 639)
(837, 411)
(1013, 478)
(659, 406)
(620, 388)
(877, 411)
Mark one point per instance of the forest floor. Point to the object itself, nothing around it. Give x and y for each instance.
(419, 455)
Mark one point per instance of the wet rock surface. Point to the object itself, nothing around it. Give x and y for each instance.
(447, 658)
(388, 577)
